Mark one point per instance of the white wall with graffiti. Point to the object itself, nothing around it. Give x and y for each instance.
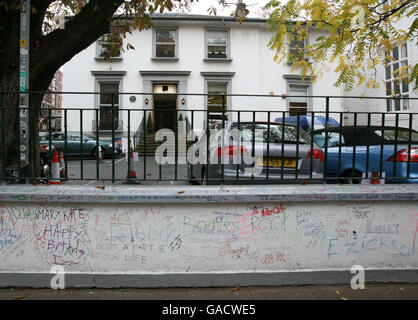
(211, 237)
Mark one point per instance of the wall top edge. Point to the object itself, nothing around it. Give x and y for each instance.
(206, 194)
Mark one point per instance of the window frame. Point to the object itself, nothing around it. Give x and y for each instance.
(103, 77)
(228, 99)
(154, 42)
(227, 45)
(391, 103)
(289, 47)
(98, 50)
(297, 80)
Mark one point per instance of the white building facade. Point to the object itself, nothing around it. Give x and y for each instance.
(395, 111)
(187, 56)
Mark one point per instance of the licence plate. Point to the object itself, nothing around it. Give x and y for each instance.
(277, 162)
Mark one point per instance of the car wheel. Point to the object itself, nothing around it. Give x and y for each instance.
(351, 177)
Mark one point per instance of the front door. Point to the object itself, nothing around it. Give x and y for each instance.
(165, 107)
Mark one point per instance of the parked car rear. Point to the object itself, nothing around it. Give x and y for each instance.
(353, 151)
(282, 153)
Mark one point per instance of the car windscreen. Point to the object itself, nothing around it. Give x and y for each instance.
(389, 135)
(335, 139)
(263, 132)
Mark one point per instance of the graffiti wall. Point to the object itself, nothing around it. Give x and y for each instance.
(143, 238)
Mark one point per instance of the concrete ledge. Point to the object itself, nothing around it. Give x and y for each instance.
(207, 194)
(74, 280)
(181, 236)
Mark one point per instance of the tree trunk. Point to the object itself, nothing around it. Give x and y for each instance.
(47, 54)
(9, 127)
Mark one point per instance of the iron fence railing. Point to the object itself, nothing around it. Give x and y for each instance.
(166, 144)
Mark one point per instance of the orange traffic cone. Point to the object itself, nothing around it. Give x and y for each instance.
(131, 171)
(62, 164)
(131, 178)
(55, 170)
(100, 158)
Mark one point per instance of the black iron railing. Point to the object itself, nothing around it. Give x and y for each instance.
(321, 146)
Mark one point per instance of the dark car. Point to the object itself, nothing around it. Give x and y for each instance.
(279, 153)
(77, 145)
(353, 150)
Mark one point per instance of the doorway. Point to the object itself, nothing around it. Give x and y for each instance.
(165, 106)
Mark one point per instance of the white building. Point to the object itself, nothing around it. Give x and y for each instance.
(403, 54)
(191, 54)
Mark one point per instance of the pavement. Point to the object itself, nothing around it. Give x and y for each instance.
(375, 291)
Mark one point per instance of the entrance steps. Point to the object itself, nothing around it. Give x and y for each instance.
(150, 145)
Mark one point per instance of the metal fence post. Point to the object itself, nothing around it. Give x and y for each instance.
(326, 138)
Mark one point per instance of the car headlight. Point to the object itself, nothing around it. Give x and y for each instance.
(110, 145)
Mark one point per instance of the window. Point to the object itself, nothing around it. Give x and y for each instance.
(402, 135)
(299, 103)
(216, 103)
(108, 98)
(273, 133)
(165, 43)
(217, 44)
(107, 46)
(334, 139)
(296, 48)
(395, 87)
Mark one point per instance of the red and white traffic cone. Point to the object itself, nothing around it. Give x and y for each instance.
(100, 158)
(131, 171)
(55, 170)
(62, 164)
(131, 178)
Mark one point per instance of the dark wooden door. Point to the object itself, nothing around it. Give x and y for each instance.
(165, 111)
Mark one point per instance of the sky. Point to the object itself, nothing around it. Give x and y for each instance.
(254, 6)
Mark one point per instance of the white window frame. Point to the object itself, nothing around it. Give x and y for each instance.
(289, 47)
(228, 44)
(401, 62)
(103, 77)
(154, 42)
(297, 80)
(99, 48)
(227, 98)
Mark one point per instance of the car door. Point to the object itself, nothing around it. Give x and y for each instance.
(73, 144)
(58, 140)
(338, 153)
(88, 145)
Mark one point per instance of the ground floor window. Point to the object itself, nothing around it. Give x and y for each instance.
(298, 99)
(109, 105)
(217, 104)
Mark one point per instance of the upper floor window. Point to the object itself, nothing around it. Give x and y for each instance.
(217, 44)
(165, 43)
(108, 46)
(396, 86)
(297, 46)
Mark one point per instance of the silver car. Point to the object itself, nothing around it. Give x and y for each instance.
(256, 152)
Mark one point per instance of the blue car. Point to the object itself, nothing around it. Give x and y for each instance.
(305, 122)
(392, 151)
